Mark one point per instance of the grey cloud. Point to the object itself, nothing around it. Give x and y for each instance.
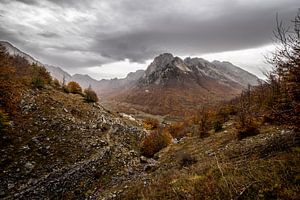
(88, 33)
(30, 2)
(186, 36)
(48, 34)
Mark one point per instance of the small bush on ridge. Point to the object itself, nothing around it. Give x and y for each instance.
(74, 88)
(90, 95)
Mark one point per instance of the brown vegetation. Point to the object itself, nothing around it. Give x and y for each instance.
(16, 74)
(150, 123)
(74, 88)
(154, 142)
(90, 95)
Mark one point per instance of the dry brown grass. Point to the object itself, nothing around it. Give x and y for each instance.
(226, 168)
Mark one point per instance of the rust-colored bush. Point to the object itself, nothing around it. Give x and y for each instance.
(16, 75)
(151, 123)
(74, 88)
(176, 130)
(90, 95)
(154, 142)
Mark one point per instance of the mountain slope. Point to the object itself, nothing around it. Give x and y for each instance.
(13, 51)
(171, 85)
(102, 87)
(53, 144)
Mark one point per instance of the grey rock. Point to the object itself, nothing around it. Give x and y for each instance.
(29, 166)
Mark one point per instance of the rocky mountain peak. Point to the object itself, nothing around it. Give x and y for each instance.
(159, 62)
(195, 61)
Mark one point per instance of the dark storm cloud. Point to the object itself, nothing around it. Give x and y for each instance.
(87, 33)
(48, 34)
(30, 2)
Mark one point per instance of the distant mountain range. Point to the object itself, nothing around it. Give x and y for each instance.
(168, 86)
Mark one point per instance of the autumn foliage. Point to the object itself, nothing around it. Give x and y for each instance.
(16, 74)
(150, 123)
(74, 87)
(154, 142)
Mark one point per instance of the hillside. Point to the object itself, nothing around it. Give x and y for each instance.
(265, 166)
(104, 87)
(54, 144)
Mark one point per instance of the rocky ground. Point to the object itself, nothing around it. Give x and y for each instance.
(61, 147)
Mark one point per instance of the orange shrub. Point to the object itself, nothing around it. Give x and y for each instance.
(74, 87)
(151, 124)
(177, 130)
(154, 142)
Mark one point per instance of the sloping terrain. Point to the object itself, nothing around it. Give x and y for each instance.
(103, 87)
(61, 147)
(265, 166)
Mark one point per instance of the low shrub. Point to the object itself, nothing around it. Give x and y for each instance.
(90, 96)
(56, 83)
(65, 89)
(40, 76)
(154, 142)
(177, 130)
(74, 88)
(38, 82)
(151, 123)
(217, 125)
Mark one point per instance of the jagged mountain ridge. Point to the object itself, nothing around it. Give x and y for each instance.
(171, 85)
(166, 66)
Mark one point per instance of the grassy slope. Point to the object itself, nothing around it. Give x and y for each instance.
(265, 166)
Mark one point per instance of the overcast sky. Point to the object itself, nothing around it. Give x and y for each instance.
(109, 38)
